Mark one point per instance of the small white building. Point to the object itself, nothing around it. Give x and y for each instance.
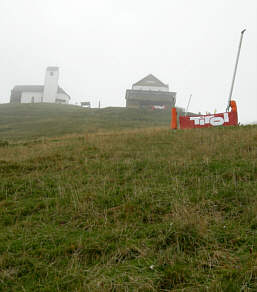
(50, 92)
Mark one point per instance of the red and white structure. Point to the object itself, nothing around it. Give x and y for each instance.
(229, 118)
(206, 121)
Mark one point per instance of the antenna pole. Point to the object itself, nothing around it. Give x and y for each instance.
(188, 103)
(235, 70)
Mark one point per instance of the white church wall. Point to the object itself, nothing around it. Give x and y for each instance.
(62, 98)
(51, 84)
(150, 88)
(48, 94)
(31, 97)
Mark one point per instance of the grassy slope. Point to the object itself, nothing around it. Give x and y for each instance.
(29, 121)
(135, 210)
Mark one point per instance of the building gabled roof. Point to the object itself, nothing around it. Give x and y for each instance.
(18, 89)
(61, 90)
(150, 80)
(34, 88)
(29, 88)
(52, 68)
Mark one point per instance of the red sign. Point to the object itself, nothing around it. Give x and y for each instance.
(222, 119)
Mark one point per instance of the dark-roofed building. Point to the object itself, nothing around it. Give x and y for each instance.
(150, 92)
(50, 92)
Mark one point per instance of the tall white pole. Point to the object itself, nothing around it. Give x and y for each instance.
(235, 70)
(188, 104)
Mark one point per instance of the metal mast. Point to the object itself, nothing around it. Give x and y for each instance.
(235, 70)
(188, 104)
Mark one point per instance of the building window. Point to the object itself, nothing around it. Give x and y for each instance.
(51, 73)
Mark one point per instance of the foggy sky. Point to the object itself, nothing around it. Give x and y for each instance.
(104, 46)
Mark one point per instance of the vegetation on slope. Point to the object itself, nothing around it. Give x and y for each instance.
(138, 210)
(30, 121)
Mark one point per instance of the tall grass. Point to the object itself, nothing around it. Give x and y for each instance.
(130, 210)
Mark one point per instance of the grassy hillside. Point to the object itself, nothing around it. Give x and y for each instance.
(29, 121)
(131, 210)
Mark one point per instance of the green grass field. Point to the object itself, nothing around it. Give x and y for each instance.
(31, 121)
(112, 200)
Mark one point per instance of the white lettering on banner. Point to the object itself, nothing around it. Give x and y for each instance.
(214, 121)
(226, 118)
(195, 119)
(217, 121)
(207, 119)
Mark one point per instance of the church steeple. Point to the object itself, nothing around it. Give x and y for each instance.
(51, 84)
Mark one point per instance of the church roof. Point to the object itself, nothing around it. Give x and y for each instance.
(18, 89)
(150, 80)
(34, 88)
(29, 88)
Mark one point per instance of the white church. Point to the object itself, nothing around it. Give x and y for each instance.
(50, 92)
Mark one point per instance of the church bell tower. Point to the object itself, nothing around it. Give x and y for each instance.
(51, 84)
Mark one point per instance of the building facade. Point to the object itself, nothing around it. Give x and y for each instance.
(150, 92)
(50, 92)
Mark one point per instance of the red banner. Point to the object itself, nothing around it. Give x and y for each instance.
(204, 121)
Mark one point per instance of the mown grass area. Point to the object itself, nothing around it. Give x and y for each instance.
(130, 210)
(32, 121)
